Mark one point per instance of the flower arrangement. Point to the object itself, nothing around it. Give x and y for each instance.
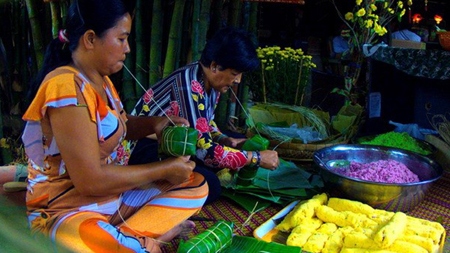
(369, 18)
(367, 23)
(282, 76)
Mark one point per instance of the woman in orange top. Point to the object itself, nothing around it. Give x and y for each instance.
(77, 193)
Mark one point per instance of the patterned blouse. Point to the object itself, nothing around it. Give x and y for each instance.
(183, 94)
(49, 185)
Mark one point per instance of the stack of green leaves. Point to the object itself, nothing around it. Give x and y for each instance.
(287, 183)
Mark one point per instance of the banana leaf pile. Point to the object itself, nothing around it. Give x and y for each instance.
(287, 183)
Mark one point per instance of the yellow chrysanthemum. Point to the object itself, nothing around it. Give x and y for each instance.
(349, 16)
(361, 12)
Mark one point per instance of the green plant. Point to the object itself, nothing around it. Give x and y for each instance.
(282, 76)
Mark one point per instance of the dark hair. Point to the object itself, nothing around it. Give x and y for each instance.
(83, 15)
(231, 48)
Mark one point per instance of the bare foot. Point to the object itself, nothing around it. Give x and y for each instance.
(180, 230)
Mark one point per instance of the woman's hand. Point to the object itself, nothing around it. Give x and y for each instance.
(163, 122)
(269, 159)
(178, 169)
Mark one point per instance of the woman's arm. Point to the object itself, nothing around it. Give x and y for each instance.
(76, 137)
(140, 127)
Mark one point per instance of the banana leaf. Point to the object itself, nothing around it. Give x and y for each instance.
(253, 245)
(286, 184)
(248, 202)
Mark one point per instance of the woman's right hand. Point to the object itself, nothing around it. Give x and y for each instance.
(269, 159)
(178, 169)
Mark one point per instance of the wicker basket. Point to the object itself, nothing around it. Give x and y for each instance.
(444, 40)
(299, 152)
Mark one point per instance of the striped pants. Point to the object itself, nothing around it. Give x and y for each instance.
(129, 223)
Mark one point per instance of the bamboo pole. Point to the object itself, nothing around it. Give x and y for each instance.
(156, 43)
(205, 13)
(38, 45)
(140, 51)
(244, 87)
(55, 13)
(234, 13)
(195, 30)
(184, 43)
(174, 38)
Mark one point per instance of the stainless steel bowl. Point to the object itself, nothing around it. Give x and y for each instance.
(387, 196)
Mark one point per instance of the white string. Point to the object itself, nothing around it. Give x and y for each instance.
(245, 111)
(146, 91)
(252, 212)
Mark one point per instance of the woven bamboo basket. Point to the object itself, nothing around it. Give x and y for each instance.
(299, 152)
(442, 155)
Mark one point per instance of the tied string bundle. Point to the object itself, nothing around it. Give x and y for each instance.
(175, 140)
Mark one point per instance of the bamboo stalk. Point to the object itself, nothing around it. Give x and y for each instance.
(55, 13)
(174, 38)
(156, 43)
(185, 54)
(203, 25)
(195, 29)
(38, 45)
(234, 13)
(141, 55)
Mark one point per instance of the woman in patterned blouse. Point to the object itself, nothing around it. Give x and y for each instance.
(193, 92)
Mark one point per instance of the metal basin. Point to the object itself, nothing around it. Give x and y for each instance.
(387, 196)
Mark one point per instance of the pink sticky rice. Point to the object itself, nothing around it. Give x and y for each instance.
(382, 171)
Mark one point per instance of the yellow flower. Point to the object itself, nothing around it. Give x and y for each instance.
(391, 11)
(373, 7)
(369, 23)
(349, 16)
(361, 12)
(400, 4)
(402, 13)
(358, 2)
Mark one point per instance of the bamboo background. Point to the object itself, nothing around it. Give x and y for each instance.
(166, 35)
